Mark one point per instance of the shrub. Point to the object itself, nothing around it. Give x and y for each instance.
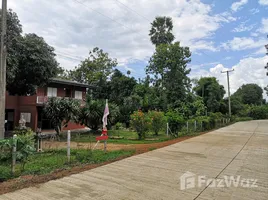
(240, 119)
(258, 112)
(158, 121)
(25, 147)
(141, 123)
(175, 121)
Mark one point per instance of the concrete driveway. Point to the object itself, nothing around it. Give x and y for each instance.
(230, 163)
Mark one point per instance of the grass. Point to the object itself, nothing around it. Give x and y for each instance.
(47, 162)
(122, 137)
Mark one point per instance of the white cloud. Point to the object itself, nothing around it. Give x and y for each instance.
(243, 43)
(74, 29)
(247, 70)
(264, 27)
(254, 11)
(238, 5)
(243, 27)
(263, 2)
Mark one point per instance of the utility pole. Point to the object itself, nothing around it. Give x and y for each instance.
(3, 54)
(229, 98)
(266, 67)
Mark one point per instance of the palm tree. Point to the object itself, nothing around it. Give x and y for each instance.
(161, 31)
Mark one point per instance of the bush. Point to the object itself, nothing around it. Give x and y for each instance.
(25, 147)
(158, 121)
(141, 123)
(258, 112)
(241, 119)
(175, 122)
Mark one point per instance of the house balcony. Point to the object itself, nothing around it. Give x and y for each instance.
(41, 100)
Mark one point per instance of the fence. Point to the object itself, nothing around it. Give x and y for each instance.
(194, 126)
(18, 156)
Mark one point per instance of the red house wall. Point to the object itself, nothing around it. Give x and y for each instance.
(27, 104)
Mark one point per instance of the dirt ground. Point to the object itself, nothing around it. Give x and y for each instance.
(32, 180)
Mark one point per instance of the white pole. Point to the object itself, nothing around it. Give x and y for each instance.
(14, 149)
(68, 144)
(167, 129)
(195, 125)
(187, 124)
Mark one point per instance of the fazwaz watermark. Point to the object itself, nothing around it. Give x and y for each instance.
(190, 180)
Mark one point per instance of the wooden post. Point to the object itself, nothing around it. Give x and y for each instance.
(68, 145)
(14, 149)
(105, 145)
(187, 124)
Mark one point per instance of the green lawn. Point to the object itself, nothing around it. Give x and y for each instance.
(121, 137)
(43, 163)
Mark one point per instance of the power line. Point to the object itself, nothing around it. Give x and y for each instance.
(133, 10)
(103, 15)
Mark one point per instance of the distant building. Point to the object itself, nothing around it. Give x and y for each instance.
(31, 107)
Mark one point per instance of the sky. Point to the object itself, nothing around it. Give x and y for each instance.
(222, 35)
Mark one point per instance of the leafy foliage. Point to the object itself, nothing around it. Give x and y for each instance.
(168, 68)
(141, 123)
(92, 113)
(158, 121)
(161, 31)
(30, 60)
(175, 122)
(211, 91)
(249, 94)
(62, 110)
(258, 112)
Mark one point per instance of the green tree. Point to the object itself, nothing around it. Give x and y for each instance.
(250, 94)
(120, 87)
(91, 114)
(161, 31)
(211, 91)
(36, 65)
(141, 123)
(95, 70)
(30, 60)
(168, 71)
(98, 66)
(61, 111)
(158, 121)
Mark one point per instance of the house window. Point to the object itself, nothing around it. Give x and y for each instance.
(51, 92)
(26, 116)
(78, 95)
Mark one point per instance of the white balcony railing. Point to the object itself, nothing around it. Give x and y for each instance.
(44, 99)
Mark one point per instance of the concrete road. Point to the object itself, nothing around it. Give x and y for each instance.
(222, 164)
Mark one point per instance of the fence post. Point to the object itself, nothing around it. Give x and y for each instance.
(187, 124)
(14, 149)
(195, 125)
(68, 144)
(167, 129)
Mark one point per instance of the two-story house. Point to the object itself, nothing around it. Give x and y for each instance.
(31, 107)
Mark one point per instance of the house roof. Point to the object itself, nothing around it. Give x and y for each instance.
(68, 82)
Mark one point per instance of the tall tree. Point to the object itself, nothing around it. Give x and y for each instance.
(168, 71)
(36, 64)
(250, 94)
(95, 70)
(30, 60)
(14, 31)
(120, 87)
(161, 31)
(211, 91)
